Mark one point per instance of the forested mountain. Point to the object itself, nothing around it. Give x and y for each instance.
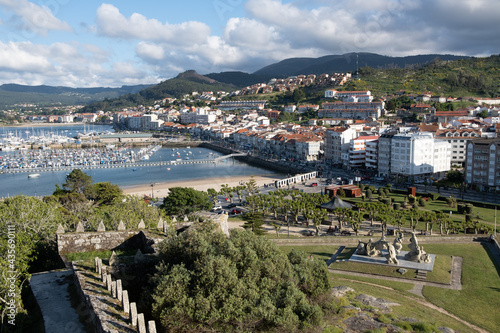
(460, 78)
(347, 63)
(11, 94)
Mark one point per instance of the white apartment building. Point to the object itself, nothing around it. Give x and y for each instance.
(337, 141)
(419, 154)
(200, 116)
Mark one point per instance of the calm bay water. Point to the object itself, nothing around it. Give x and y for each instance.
(14, 184)
(66, 130)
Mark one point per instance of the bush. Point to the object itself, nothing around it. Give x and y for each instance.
(468, 208)
(207, 281)
(460, 208)
(396, 206)
(369, 194)
(421, 202)
(434, 196)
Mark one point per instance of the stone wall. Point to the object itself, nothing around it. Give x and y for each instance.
(91, 241)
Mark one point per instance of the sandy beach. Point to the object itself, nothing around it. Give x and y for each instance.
(160, 190)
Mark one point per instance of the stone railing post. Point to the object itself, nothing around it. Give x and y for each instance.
(133, 313)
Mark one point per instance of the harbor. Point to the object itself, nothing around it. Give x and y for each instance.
(68, 159)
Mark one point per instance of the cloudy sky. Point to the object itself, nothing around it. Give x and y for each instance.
(92, 43)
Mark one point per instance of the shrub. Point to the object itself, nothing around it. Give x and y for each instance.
(468, 208)
(397, 206)
(434, 196)
(369, 194)
(421, 202)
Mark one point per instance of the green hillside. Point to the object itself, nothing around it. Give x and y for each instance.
(11, 94)
(184, 83)
(479, 77)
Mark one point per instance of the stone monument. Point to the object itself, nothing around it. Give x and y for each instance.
(416, 252)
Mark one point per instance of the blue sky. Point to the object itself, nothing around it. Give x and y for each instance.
(113, 43)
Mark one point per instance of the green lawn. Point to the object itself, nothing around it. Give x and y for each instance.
(319, 252)
(398, 292)
(479, 300)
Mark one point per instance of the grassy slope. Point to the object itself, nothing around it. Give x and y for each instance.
(476, 303)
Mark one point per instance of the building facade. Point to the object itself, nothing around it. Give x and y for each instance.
(482, 168)
(420, 155)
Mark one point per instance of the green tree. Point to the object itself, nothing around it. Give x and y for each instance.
(209, 282)
(103, 193)
(28, 226)
(185, 200)
(254, 222)
(298, 95)
(77, 181)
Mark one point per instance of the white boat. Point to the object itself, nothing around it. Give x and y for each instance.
(33, 175)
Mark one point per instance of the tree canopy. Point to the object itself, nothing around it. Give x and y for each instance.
(185, 200)
(208, 281)
(77, 181)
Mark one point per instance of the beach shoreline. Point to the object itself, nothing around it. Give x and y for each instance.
(160, 190)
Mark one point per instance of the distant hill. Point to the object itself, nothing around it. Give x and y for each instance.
(347, 63)
(184, 83)
(239, 79)
(11, 94)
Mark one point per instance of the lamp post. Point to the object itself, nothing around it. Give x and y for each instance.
(152, 191)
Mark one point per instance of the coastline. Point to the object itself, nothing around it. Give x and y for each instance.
(160, 190)
(25, 125)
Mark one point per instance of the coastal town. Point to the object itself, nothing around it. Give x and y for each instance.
(350, 130)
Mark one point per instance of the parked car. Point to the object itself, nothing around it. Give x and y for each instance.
(314, 184)
(235, 211)
(232, 205)
(216, 208)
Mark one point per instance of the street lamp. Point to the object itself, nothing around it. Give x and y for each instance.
(152, 190)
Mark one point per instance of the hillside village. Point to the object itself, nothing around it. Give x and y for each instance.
(351, 129)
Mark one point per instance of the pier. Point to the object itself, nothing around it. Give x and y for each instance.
(119, 165)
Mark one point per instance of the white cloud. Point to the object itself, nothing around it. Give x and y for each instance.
(111, 23)
(148, 51)
(33, 18)
(19, 57)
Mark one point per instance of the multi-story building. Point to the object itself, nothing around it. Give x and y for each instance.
(419, 154)
(482, 168)
(371, 154)
(357, 151)
(351, 110)
(384, 154)
(337, 142)
(458, 139)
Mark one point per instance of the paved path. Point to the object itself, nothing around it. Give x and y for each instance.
(51, 292)
(334, 256)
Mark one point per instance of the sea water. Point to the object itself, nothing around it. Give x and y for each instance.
(19, 183)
